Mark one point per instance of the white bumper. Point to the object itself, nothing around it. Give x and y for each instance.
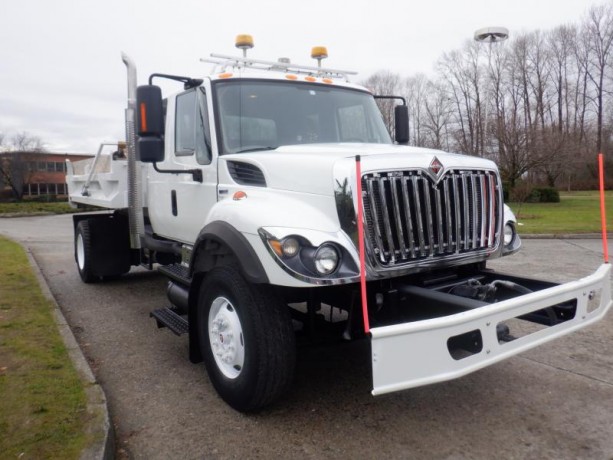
(414, 354)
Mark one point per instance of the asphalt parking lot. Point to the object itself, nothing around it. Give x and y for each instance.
(552, 402)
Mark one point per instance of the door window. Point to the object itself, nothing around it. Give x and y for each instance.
(191, 128)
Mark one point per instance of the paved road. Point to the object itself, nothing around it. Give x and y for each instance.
(554, 402)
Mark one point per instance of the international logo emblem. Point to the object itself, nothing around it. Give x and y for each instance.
(436, 167)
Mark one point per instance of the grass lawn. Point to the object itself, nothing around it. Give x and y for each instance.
(577, 212)
(42, 399)
(33, 208)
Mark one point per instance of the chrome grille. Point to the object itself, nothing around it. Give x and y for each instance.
(410, 216)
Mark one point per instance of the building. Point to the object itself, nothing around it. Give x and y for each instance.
(31, 174)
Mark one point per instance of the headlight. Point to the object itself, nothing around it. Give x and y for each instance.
(326, 259)
(321, 263)
(509, 234)
(290, 247)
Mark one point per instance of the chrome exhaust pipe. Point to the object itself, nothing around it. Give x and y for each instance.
(135, 196)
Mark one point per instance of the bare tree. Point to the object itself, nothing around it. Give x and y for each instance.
(462, 72)
(537, 104)
(25, 142)
(416, 88)
(15, 170)
(438, 112)
(599, 33)
(386, 84)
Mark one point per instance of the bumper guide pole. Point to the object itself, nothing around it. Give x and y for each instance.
(603, 215)
(360, 223)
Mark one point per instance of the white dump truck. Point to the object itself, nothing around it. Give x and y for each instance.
(277, 204)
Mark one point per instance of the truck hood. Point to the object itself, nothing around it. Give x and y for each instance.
(309, 168)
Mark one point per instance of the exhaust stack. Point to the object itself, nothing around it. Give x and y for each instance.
(135, 195)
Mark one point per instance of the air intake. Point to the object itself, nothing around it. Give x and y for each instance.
(246, 174)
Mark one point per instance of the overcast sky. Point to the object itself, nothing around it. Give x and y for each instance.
(62, 79)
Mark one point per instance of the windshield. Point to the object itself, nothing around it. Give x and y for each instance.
(263, 115)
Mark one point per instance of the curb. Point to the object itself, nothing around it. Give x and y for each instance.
(99, 427)
(573, 236)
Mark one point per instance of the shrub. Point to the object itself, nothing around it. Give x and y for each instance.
(44, 199)
(546, 195)
(506, 191)
(520, 193)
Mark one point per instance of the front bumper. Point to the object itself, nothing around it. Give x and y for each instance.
(413, 354)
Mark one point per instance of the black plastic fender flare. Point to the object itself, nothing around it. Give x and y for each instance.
(226, 236)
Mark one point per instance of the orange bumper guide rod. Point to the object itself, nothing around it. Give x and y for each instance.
(360, 223)
(603, 215)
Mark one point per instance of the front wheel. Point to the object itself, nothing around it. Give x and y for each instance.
(246, 338)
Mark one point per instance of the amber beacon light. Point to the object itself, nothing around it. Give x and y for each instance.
(244, 42)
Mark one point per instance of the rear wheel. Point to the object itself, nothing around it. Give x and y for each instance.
(246, 338)
(83, 252)
(102, 248)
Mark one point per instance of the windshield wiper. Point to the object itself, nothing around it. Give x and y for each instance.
(257, 149)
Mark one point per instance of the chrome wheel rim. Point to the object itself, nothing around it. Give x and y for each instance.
(80, 252)
(226, 338)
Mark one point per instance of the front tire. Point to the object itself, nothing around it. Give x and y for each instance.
(246, 338)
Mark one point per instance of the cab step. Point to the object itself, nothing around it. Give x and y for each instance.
(167, 317)
(177, 273)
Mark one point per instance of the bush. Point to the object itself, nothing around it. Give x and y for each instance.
(525, 193)
(520, 193)
(544, 195)
(45, 199)
(506, 191)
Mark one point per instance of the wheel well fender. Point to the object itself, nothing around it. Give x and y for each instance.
(219, 243)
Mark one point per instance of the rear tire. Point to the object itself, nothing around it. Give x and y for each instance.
(246, 339)
(83, 252)
(102, 248)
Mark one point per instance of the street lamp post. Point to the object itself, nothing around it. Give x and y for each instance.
(490, 35)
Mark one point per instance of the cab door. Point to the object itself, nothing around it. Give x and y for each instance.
(178, 202)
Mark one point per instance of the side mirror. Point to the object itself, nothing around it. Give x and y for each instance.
(149, 111)
(150, 149)
(149, 124)
(401, 124)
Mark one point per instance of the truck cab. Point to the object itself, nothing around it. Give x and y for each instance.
(277, 204)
